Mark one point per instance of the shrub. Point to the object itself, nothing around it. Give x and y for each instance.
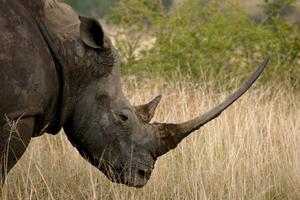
(96, 8)
(201, 39)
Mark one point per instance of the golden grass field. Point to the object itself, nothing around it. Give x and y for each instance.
(252, 151)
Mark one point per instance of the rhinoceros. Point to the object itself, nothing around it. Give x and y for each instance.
(60, 70)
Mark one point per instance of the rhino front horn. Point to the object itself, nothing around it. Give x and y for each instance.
(169, 135)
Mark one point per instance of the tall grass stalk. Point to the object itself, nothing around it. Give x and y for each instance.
(252, 151)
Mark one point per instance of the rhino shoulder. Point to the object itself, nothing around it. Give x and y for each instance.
(28, 78)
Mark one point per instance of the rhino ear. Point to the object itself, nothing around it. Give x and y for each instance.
(91, 33)
(146, 111)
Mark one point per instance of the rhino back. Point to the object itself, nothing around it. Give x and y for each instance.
(28, 78)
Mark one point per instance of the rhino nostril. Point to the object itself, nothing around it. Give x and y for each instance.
(141, 172)
(123, 117)
(144, 173)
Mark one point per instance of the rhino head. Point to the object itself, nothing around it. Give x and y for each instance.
(112, 134)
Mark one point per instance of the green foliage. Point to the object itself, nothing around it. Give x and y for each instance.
(276, 9)
(97, 8)
(136, 13)
(101, 8)
(201, 39)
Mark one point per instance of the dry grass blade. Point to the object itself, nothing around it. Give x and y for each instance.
(252, 151)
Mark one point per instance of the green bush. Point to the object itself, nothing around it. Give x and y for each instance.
(96, 8)
(201, 39)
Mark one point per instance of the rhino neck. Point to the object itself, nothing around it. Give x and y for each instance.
(53, 24)
(80, 65)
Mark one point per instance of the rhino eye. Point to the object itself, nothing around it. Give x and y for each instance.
(123, 117)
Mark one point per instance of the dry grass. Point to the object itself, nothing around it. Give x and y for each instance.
(252, 151)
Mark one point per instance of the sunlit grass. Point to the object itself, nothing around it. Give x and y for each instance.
(252, 151)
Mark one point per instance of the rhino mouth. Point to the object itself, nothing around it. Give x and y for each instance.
(121, 174)
(125, 175)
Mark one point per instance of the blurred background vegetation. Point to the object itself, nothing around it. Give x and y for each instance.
(203, 40)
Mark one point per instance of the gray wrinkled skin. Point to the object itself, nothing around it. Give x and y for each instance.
(97, 118)
(87, 102)
(59, 70)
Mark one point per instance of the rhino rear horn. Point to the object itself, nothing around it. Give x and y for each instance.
(146, 111)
